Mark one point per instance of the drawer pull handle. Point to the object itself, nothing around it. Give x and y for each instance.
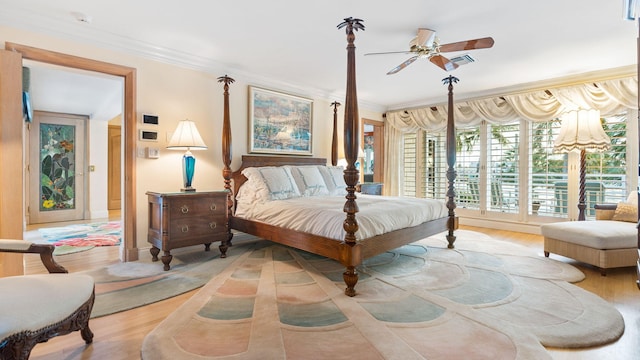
(185, 228)
(184, 209)
(212, 207)
(212, 225)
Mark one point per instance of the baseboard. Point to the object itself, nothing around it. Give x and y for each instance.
(530, 228)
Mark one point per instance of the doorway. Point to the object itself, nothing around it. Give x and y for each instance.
(56, 154)
(373, 147)
(129, 251)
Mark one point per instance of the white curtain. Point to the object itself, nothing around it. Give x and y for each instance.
(610, 97)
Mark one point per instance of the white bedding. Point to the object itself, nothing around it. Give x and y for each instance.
(324, 215)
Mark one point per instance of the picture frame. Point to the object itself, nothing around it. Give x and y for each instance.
(279, 123)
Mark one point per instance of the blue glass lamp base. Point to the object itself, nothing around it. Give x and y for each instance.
(188, 168)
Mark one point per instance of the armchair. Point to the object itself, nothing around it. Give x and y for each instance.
(35, 308)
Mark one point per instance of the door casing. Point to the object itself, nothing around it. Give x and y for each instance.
(129, 250)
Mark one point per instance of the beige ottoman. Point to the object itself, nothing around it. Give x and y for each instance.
(602, 243)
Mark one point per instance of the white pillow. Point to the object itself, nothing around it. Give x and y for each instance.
(632, 198)
(271, 183)
(309, 180)
(334, 178)
(246, 193)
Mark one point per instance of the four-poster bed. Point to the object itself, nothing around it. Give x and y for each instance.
(349, 250)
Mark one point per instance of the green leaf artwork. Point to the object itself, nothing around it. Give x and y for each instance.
(57, 160)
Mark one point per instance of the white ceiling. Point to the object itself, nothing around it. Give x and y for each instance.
(64, 90)
(297, 46)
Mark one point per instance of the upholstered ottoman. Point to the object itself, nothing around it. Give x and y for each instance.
(602, 243)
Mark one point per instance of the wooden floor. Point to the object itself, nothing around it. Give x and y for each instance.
(120, 336)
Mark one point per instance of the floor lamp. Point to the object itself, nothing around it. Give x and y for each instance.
(581, 130)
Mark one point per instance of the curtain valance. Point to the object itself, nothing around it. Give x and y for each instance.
(610, 97)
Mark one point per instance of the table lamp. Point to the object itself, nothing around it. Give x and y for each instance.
(186, 137)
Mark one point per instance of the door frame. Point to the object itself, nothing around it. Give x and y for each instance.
(129, 251)
(114, 168)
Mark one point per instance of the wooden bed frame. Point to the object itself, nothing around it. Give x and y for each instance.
(349, 252)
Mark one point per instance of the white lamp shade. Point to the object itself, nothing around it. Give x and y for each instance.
(186, 137)
(581, 130)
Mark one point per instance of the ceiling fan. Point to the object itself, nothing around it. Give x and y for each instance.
(426, 45)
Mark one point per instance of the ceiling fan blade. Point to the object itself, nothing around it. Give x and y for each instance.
(425, 37)
(389, 52)
(403, 65)
(482, 43)
(443, 63)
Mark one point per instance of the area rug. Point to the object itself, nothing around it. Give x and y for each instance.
(68, 249)
(486, 299)
(128, 285)
(92, 234)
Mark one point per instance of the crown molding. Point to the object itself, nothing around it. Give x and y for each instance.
(69, 29)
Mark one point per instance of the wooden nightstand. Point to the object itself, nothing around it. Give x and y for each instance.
(186, 218)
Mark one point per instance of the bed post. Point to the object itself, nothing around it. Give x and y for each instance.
(451, 162)
(352, 255)
(334, 140)
(226, 159)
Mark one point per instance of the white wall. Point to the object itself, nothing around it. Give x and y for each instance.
(174, 93)
(98, 154)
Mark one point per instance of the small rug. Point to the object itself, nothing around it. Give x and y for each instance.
(93, 234)
(486, 299)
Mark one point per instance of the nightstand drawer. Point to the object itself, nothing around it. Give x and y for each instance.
(196, 226)
(188, 207)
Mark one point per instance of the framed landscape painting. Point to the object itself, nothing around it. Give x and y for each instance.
(279, 123)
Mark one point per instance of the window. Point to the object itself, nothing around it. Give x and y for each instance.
(492, 178)
(548, 171)
(425, 165)
(609, 168)
(410, 164)
(435, 171)
(468, 180)
(605, 179)
(503, 164)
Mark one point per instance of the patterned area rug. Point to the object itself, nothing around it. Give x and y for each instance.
(129, 285)
(82, 235)
(486, 299)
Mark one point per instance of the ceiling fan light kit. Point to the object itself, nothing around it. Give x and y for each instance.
(426, 45)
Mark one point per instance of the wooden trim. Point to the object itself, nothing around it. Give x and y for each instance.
(11, 158)
(129, 74)
(267, 160)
